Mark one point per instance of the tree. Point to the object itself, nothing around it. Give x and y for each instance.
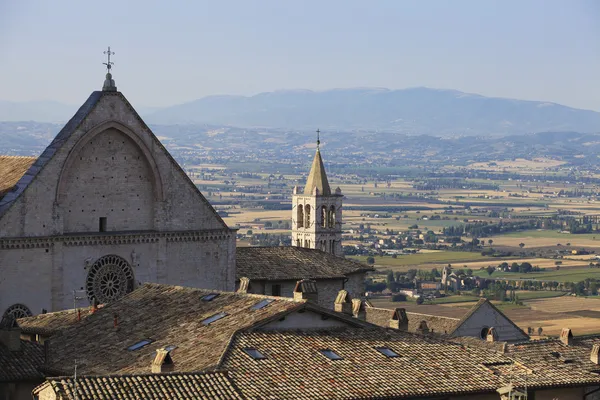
(540, 330)
(370, 260)
(521, 245)
(490, 270)
(490, 241)
(411, 273)
(249, 232)
(420, 300)
(593, 288)
(390, 280)
(469, 272)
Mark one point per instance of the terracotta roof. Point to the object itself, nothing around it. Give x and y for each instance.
(12, 168)
(21, 365)
(292, 263)
(204, 386)
(50, 323)
(294, 368)
(435, 323)
(167, 316)
(317, 178)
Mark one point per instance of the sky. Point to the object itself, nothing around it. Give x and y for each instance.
(171, 52)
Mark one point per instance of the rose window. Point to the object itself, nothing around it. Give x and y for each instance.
(17, 311)
(109, 279)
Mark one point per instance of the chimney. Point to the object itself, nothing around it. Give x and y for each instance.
(162, 362)
(594, 355)
(343, 302)
(422, 329)
(492, 335)
(10, 333)
(94, 306)
(306, 289)
(358, 309)
(399, 320)
(244, 285)
(566, 337)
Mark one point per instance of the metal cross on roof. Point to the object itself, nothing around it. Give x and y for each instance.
(109, 63)
(318, 138)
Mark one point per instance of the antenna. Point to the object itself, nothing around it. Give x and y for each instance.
(75, 382)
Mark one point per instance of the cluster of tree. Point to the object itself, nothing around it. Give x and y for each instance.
(446, 183)
(277, 224)
(267, 239)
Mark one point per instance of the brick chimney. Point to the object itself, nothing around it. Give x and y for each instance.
(594, 354)
(244, 285)
(566, 337)
(358, 309)
(343, 302)
(162, 362)
(10, 333)
(399, 320)
(492, 335)
(306, 289)
(422, 329)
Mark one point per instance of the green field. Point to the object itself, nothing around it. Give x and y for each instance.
(563, 275)
(534, 233)
(538, 294)
(403, 262)
(453, 299)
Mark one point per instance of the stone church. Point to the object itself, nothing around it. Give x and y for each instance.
(102, 209)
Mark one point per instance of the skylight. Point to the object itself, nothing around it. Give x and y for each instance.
(386, 351)
(330, 354)
(210, 297)
(170, 347)
(139, 344)
(214, 318)
(255, 354)
(262, 304)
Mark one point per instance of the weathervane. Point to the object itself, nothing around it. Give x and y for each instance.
(318, 138)
(109, 64)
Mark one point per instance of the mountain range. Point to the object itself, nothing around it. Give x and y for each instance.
(410, 111)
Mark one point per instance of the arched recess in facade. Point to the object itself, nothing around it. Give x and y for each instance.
(17, 311)
(89, 136)
(108, 279)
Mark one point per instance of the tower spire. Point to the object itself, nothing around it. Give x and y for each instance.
(109, 82)
(318, 138)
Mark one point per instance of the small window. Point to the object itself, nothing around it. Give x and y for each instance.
(386, 351)
(330, 354)
(262, 304)
(139, 344)
(170, 348)
(214, 318)
(210, 297)
(102, 224)
(275, 290)
(255, 354)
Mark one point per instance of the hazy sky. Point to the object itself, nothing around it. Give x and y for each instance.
(169, 52)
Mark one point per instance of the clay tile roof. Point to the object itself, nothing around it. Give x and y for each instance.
(435, 323)
(204, 386)
(12, 168)
(164, 315)
(292, 263)
(50, 323)
(317, 178)
(295, 369)
(22, 365)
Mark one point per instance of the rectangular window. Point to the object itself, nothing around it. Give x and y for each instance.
(139, 344)
(386, 351)
(275, 290)
(210, 297)
(102, 224)
(255, 354)
(330, 354)
(262, 304)
(214, 318)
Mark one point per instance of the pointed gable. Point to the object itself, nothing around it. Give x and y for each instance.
(317, 178)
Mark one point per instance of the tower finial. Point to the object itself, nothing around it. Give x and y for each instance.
(318, 138)
(109, 82)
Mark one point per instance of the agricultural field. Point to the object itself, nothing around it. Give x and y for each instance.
(544, 238)
(425, 260)
(563, 275)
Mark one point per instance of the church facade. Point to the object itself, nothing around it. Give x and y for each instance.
(104, 208)
(317, 212)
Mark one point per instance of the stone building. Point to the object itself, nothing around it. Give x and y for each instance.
(102, 209)
(317, 212)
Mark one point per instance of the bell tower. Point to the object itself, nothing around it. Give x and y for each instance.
(317, 212)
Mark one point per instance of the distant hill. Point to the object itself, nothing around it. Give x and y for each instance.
(411, 111)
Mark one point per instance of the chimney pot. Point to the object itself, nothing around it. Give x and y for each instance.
(492, 335)
(399, 320)
(244, 285)
(594, 354)
(566, 337)
(343, 302)
(306, 289)
(162, 362)
(423, 329)
(358, 309)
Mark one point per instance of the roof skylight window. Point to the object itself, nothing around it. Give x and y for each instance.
(262, 304)
(170, 347)
(210, 297)
(386, 351)
(214, 318)
(139, 344)
(255, 354)
(330, 354)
